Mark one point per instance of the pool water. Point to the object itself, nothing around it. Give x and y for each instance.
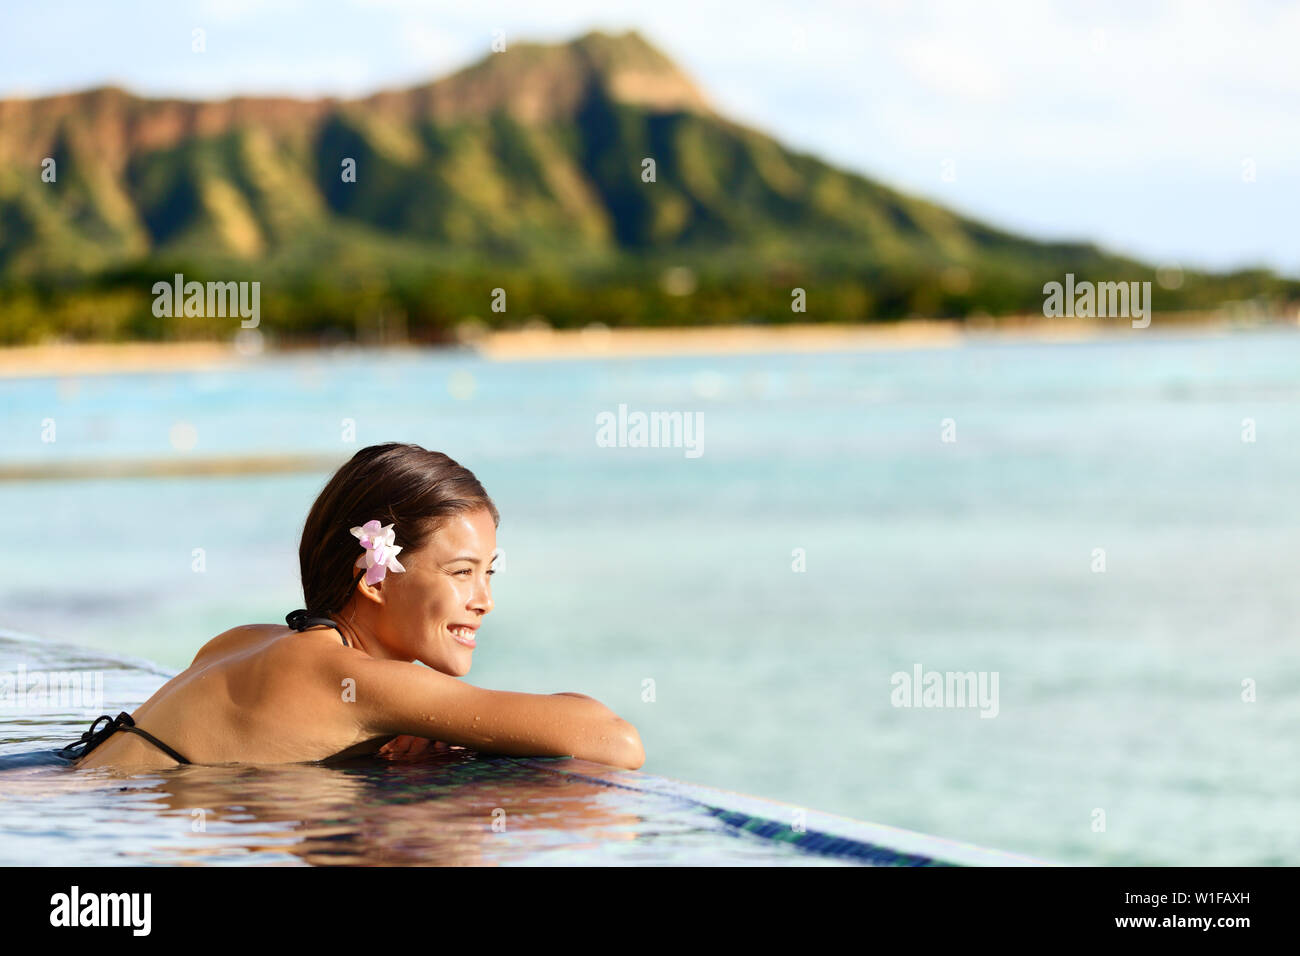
(453, 808)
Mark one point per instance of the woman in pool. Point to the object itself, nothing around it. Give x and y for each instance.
(342, 679)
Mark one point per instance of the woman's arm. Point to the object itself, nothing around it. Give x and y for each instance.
(395, 697)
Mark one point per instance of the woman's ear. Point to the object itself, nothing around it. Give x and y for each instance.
(371, 592)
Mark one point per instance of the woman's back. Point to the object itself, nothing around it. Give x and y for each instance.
(260, 693)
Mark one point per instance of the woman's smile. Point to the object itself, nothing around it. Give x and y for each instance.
(464, 634)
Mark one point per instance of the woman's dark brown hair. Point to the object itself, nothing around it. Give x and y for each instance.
(413, 489)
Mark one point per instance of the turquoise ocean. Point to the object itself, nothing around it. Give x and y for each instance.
(748, 608)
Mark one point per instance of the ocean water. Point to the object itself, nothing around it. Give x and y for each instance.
(749, 608)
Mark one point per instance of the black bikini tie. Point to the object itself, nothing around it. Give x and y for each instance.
(302, 619)
(92, 738)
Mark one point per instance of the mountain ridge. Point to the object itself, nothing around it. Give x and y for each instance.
(634, 72)
(528, 161)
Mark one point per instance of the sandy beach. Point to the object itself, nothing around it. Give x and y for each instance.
(543, 343)
(91, 358)
(70, 359)
(511, 345)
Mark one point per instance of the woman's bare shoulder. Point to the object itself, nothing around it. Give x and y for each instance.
(279, 639)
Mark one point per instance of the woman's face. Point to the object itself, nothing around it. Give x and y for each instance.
(432, 610)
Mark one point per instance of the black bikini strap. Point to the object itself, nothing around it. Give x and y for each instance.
(126, 723)
(92, 738)
(302, 619)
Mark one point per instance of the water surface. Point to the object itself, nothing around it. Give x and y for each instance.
(664, 585)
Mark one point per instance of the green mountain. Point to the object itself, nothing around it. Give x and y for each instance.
(523, 171)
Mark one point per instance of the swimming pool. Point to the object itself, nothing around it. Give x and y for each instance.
(453, 808)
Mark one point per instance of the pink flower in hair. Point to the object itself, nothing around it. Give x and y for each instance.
(380, 555)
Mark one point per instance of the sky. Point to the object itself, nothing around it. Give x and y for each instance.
(1165, 130)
